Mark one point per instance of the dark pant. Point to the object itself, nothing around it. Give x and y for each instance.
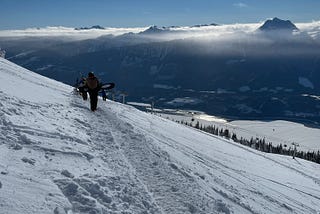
(83, 93)
(93, 99)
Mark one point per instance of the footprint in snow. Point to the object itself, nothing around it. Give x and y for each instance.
(29, 161)
(67, 174)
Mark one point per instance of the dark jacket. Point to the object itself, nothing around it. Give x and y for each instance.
(92, 83)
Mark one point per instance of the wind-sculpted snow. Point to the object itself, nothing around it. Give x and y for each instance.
(56, 156)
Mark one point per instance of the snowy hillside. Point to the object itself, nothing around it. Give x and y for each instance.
(56, 156)
(277, 131)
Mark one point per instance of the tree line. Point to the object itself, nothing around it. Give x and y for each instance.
(257, 143)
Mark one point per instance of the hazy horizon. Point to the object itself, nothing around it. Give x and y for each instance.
(17, 14)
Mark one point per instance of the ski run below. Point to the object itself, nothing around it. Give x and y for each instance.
(277, 132)
(56, 156)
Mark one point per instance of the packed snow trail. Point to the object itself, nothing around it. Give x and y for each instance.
(237, 177)
(56, 156)
(172, 189)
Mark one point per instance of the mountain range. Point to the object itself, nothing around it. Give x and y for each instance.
(90, 28)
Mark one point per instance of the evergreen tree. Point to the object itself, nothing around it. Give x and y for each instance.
(197, 125)
(226, 134)
(221, 132)
(234, 137)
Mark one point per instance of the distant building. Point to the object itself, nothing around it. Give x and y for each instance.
(2, 53)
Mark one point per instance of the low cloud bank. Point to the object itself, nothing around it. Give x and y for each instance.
(68, 32)
(170, 33)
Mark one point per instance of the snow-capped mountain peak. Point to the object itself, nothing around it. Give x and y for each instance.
(278, 24)
(155, 30)
(90, 28)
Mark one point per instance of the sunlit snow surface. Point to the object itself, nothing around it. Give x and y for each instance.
(277, 132)
(56, 156)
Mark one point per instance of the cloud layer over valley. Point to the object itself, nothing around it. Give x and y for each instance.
(166, 33)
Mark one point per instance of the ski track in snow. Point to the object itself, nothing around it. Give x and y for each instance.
(56, 156)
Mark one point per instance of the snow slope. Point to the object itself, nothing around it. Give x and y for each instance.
(56, 156)
(277, 131)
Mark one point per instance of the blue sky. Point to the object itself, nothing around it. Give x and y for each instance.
(20, 14)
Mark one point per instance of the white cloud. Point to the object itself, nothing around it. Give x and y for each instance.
(68, 32)
(208, 32)
(220, 32)
(240, 4)
(176, 33)
(312, 28)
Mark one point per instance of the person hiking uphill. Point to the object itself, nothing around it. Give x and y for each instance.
(82, 89)
(92, 83)
(104, 95)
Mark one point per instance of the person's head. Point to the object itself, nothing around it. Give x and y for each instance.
(90, 74)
